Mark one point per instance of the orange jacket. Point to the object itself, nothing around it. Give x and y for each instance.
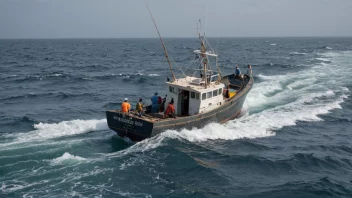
(170, 109)
(125, 107)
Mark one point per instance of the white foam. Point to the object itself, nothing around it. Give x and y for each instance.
(66, 158)
(302, 83)
(56, 75)
(323, 59)
(273, 44)
(297, 53)
(68, 128)
(153, 75)
(13, 185)
(145, 145)
(345, 89)
(264, 77)
(261, 124)
(65, 128)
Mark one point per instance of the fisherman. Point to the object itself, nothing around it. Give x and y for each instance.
(155, 105)
(249, 71)
(159, 100)
(237, 72)
(139, 108)
(125, 107)
(162, 106)
(170, 110)
(228, 91)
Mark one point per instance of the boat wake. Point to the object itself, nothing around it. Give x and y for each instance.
(275, 102)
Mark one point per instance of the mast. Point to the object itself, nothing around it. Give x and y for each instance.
(203, 50)
(162, 42)
(219, 71)
(217, 64)
(205, 61)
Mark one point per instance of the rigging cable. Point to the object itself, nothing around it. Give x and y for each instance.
(162, 42)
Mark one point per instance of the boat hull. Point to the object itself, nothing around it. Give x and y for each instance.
(137, 128)
(221, 115)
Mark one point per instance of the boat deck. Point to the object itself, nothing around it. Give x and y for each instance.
(150, 117)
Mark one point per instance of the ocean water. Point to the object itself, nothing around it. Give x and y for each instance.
(294, 138)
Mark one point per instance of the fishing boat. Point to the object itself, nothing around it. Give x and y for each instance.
(204, 97)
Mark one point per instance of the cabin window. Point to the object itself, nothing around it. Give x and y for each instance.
(215, 93)
(209, 94)
(220, 91)
(193, 95)
(213, 78)
(204, 96)
(172, 89)
(197, 96)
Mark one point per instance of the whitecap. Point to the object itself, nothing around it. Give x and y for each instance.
(66, 158)
(323, 59)
(297, 53)
(45, 131)
(153, 75)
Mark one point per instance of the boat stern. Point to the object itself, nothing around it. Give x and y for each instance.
(130, 126)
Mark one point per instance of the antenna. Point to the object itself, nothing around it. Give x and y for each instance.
(206, 19)
(217, 64)
(161, 40)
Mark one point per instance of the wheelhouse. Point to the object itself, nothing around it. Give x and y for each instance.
(191, 97)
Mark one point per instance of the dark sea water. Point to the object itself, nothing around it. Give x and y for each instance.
(293, 140)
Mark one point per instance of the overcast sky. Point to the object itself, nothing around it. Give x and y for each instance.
(175, 18)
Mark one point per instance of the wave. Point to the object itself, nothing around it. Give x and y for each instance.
(9, 76)
(326, 47)
(46, 131)
(96, 66)
(14, 185)
(67, 128)
(324, 59)
(66, 158)
(126, 75)
(10, 62)
(29, 95)
(313, 187)
(153, 75)
(55, 95)
(261, 124)
(36, 77)
(302, 83)
(23, 120)
(297, 53)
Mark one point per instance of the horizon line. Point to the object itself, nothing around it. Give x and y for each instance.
(226, 37)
